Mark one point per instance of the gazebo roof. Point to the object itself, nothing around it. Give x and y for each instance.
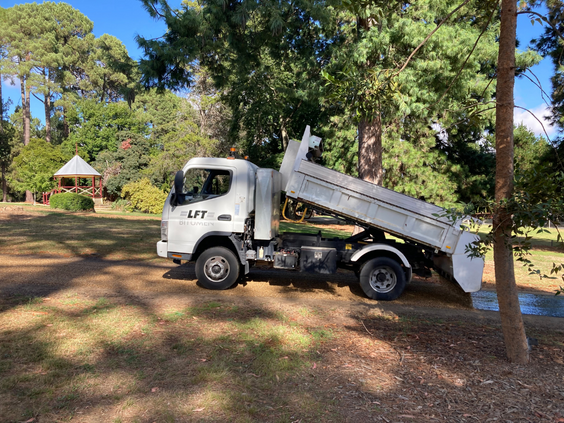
(77, 167)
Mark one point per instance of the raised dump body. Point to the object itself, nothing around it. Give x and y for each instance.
(370, 205)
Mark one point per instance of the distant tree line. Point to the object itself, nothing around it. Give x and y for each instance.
(93, 102)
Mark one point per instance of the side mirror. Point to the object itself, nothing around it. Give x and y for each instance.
(178, 185)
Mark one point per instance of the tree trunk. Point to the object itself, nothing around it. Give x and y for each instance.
(26, 117)
(4, 184)
(1, 108)
(26, 123)
(284, 133)
(509, 309)
(3, 165)
(48, 117)
(47, 105)
(370, 150)
(66, 129)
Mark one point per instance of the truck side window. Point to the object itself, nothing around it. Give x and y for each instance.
(202, 184)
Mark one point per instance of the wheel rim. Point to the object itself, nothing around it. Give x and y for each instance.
(216, 269)
(383, 279)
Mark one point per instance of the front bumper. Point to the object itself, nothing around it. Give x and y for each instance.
(162, 249)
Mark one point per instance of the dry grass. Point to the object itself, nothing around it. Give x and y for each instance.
(91, 360)
(28, 230)
(38, 230)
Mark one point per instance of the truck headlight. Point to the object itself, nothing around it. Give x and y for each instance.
(164, 230)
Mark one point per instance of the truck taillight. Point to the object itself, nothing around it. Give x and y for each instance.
(164, 230)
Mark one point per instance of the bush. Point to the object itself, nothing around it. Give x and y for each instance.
(72, 202)
(144, 197)
(119, 205)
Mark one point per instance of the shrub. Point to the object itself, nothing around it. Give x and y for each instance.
(120, 204)
(70, 201)
(144, 197)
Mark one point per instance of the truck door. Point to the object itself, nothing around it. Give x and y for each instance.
(205, 205)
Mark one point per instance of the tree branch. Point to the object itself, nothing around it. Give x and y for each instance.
(538, 85)
(466, 61)
(429, 36)
(545, 133)
(544, 19)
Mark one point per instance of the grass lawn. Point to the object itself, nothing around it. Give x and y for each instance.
(77, 358)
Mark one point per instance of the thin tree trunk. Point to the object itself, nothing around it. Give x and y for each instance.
(4, 184)
(27, 124)
(509, 309)
(3, 165)
(27, 114)
(370, 150)
(285, 137)
(66, 129)
(25, 121)
(47, 105)
(48, 117)
(1, 108)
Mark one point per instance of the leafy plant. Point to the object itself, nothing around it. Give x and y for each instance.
(144, 197)
(72, 202)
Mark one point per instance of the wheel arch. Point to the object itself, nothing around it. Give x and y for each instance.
(218, 239)
(383, 250)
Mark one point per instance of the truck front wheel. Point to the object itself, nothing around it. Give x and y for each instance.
(382, 279)
(217, 268)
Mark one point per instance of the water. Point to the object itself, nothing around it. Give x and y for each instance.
(539, 305)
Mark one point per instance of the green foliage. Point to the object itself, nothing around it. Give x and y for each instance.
(125, 164)
(34, 167)
(177, 135)
(144, 197)
(263, 57)
(71, 202)
(7, 143)
(99, 127)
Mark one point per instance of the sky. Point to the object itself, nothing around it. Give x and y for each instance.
(125, 19)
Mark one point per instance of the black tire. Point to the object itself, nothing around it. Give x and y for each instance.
(217, 268)
(382, 279)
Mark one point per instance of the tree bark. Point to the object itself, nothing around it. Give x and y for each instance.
(26, 111)
(47, 105)
(509, 309)
(48, 117)
(3, 166)
(370, 150)
(26, 117)
(66, 129)
(4, 184)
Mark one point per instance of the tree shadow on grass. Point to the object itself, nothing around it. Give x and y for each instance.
(100, 359)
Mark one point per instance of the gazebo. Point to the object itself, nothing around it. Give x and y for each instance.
(77, 168)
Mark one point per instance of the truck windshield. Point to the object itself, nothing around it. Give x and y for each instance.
(202, 184)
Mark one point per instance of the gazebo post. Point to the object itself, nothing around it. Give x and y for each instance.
(76, 184)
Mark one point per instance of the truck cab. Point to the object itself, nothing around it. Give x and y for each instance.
(214, 199)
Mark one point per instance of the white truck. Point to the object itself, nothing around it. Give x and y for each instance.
(224, 214)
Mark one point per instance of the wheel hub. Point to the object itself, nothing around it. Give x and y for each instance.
(216, 269)
(383, 279)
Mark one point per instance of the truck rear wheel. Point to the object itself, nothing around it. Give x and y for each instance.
(217, 268)
(382, 279)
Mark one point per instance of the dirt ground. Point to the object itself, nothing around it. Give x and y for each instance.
(426, 357)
